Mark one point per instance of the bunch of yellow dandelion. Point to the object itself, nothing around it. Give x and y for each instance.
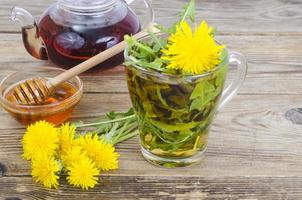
(83, 157)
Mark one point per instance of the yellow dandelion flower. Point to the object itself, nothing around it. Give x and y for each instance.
(72, 155)
(40, 138)
(66, 137)
(83, 173)
(192, 53)
(44, 170)
(101, 152)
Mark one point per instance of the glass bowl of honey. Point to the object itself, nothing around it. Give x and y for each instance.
(56, 109)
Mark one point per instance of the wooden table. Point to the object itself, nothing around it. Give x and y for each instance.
(255, 145)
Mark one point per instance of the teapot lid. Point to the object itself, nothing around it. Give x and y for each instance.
(87, 6)
(92, 13)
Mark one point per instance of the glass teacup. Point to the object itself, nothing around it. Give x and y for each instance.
(175, 112)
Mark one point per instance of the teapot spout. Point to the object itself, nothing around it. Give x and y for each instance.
(30, 33)
(23, 16)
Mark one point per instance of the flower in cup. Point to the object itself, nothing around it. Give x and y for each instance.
(184, 50)
(192, 52)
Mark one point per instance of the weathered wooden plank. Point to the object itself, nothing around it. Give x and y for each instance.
(251, 136)
(232, 16)
(273, 49)
(281, 79)
(133, 187)
(277, 71)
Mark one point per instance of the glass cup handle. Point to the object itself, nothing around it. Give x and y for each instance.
(233, 88)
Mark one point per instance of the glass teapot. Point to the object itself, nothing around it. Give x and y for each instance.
(71, 31)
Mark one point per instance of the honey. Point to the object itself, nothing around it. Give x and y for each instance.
(56, 109)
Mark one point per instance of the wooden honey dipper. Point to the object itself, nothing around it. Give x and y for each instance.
(37, 90)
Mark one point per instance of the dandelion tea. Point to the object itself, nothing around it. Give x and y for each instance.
(174, 117)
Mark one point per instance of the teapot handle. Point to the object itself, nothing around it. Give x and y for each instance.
(144, 9)
(129, 1)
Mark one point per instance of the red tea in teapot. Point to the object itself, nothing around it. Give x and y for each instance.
(72, 31)
(69, 46)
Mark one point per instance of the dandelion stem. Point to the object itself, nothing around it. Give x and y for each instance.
(125, 137)
(105, 122)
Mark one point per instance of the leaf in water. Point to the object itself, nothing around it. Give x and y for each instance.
(224, 56)
(148, 109)
(220, 77)
(202, 95)
(208, 88)
(198, 91)
(201, 89)
(174, 127)
(163, 101)
(197, 104)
